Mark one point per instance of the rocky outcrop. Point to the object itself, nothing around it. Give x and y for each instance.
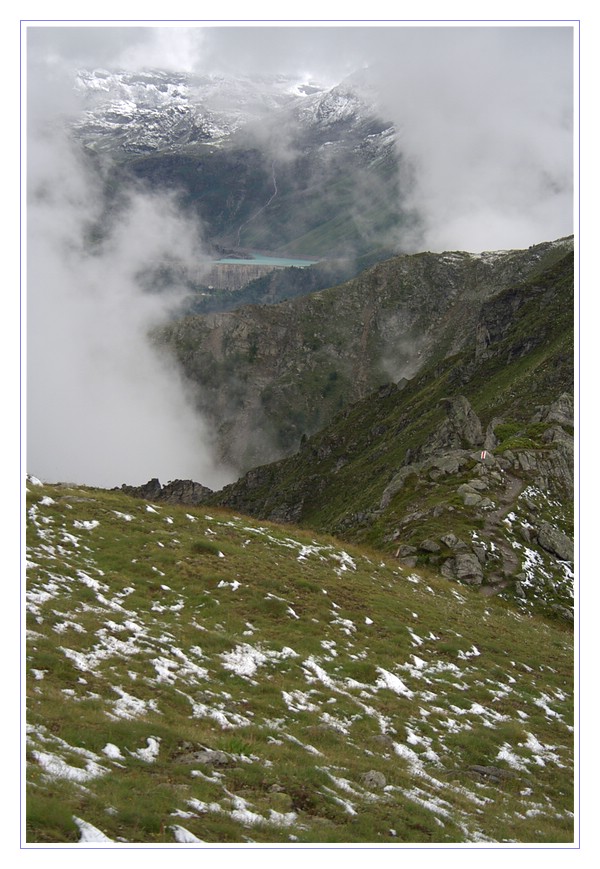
(174, 492)
(510, 491)
(461, 429)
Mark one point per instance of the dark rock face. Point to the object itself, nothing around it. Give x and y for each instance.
(174, 492)
(348, 341)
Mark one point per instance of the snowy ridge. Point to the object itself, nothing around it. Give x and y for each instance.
(158, 110)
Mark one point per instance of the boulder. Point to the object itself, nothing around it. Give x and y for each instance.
(373, 779)
(555, 542)
(405, 551)
(468, 568)
(491, 441)
(489, 773)
(560, 411)
(448, 568)
(451, 462)
(452, 541)
(478, 485)
(208, 757)
(430, 546)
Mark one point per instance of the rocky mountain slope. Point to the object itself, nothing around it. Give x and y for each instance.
(195, 676)
(268, 163)
(267, 377)
(467, 467)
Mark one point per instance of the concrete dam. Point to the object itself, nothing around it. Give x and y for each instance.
(233, 274)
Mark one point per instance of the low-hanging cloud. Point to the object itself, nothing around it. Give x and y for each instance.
(484, 114)
(485, 117)
(104, 405)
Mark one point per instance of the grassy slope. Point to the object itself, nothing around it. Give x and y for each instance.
(161, 631)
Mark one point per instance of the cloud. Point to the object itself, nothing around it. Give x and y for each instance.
(484, 113)
(485, 117)
(104, 406)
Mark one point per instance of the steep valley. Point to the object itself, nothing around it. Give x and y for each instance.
(266, 377)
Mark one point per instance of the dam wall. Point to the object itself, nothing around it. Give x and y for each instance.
(234, 276)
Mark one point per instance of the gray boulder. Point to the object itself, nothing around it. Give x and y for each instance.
(430, 546)
(452, 541)
(208, 757)
(373, 779)
(467, 568)
(555, 542)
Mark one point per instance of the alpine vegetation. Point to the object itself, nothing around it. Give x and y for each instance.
(202, 677)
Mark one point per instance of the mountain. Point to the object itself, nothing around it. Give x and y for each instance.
(267, 163)
(196, 676)
(468, 466)
(266, 377)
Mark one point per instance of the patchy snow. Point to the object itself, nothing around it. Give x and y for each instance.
(242, 813)
(388, 680)
(473, 652)
(345, 561)
(225, 718)
(89, 833)
(298, 701)
(184, 836)
(543, 702)
(506, 754)
(128, 706)
(56, 767)
(150, 753)
(245, 659)
(142, 648)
